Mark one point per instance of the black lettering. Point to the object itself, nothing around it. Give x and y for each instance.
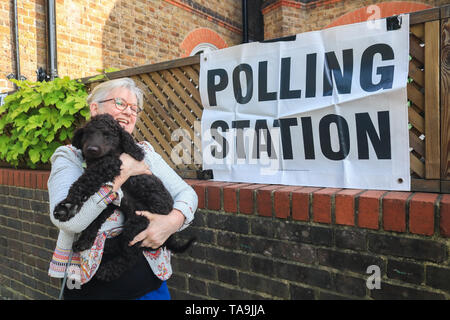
(216, 136)
(332, 70)
(240, 125)
(286, 140)
(386, 72)
(308, 139)
(365, 129)
(343, 137)
(263, 95)
(237, 88)
(212, 87)
(285, 81)
(261, 125)
(311, 62)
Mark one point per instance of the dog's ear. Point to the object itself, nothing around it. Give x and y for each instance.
(77, 138)
(130, 147)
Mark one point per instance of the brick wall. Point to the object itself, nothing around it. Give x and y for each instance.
(94, 34)
(260, 241)
(288, 17)
(27, 237)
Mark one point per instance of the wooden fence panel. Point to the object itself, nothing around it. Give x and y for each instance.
(445, 100)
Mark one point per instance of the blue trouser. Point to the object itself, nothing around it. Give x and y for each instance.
(162, 293)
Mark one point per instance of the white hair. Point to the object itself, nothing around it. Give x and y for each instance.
(100, 92)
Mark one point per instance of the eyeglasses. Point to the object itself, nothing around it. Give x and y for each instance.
(122, 105)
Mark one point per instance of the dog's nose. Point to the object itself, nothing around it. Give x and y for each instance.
(93, 150)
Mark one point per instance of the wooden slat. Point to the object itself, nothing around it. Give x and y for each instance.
(417, 144)
(192, 73)
(147, 136)
(416, 51)
(424, 16)
(432, 95)
(182, 93)
(156, 105)
(416, 120)
(179, 121)
(445, 98)
(418, 30)
(416, 74)
(196, 67)
(445, 12)
(150, 68)
(423, 185)
(190, 87)
(162, 140)
(138, 135)
(417, 166)
(164, 87)
(150, 112)
(416, 96)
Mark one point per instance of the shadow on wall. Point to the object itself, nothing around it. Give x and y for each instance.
(138, 33)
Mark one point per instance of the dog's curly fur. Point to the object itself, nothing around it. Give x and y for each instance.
(102, 141)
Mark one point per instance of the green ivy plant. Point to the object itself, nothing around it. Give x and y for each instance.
(38, 118)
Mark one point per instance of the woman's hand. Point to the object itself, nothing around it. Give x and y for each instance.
(159, 229)
(130, 167)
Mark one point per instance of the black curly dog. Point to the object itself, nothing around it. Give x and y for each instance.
(102, 140)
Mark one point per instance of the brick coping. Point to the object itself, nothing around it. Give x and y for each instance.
(425, 214)
(418, 213)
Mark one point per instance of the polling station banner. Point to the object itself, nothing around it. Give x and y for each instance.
(327, 109)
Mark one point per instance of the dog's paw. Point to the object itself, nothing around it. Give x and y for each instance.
(65, 211)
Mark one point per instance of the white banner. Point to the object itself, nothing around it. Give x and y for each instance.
(328, 109)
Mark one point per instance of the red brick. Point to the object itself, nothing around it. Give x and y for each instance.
(230, 197)
(322, 205)
(38, 180)
(301, 203)
(16, 177)
(193, 182)
(345, 206)
(282, 201)
(46, 177)
(200, 190)
(369, 209)
(214, 194)
(5, 176)
(264, 200)
(247, 199)
(444, 222)
(33, 180)
(10, 177)
(26, 178)
(41, 181)
(421, 213)
(20, 178)
(394, 211)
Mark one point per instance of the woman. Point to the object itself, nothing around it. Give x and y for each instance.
(122, 99)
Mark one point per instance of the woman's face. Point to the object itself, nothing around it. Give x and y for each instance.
(126, 118)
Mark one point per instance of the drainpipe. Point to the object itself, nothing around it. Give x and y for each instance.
(244, 22)
(52, 62)
(17, 76)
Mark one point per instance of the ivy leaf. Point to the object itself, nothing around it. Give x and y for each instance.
(38, 117)
(35, 155)
(63, 135)
(67, 121)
